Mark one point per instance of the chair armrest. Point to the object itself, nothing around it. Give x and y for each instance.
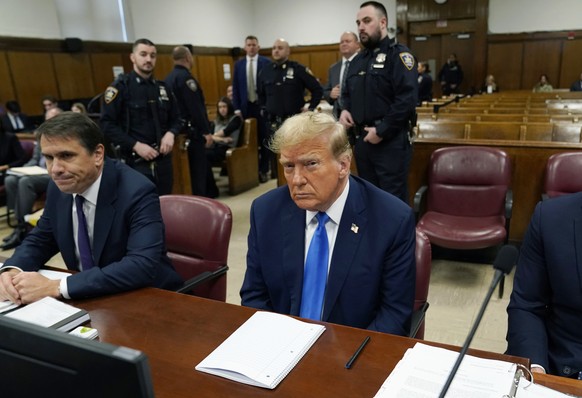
(417, 318)
(418, 200)
(202, 278)
(508, 203)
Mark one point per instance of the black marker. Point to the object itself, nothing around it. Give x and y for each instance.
(357, 353)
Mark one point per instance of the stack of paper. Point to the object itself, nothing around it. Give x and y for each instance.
(263, 350)
(50, 313)
(423, 371)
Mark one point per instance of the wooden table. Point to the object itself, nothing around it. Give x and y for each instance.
(177, 331)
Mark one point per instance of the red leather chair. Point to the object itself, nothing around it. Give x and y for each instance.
(469, 200)
(563, 174)
(197, 237)
(423, 256)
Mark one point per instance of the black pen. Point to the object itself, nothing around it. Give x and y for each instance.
(357, 353)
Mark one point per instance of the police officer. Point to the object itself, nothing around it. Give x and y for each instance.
(379, 100)
(281, 88)
(140, 118)
(190, 100)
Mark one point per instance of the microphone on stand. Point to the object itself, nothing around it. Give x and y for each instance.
(503, 264)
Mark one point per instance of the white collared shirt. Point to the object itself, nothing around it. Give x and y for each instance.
(89, 208)
(254, 66)
(334, 212)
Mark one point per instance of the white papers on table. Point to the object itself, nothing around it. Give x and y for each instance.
(263, 350)
(423, 371)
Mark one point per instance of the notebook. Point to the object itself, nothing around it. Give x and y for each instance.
(263, 350)
(50, 313)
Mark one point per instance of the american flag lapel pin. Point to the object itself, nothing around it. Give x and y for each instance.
(355, 228)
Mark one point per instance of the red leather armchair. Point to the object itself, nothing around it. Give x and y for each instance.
(423, 255)
(563, 174)
(197, 237)
(469, 201)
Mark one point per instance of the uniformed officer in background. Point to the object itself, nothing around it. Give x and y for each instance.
(281, 89)
(190, 100)
(379, 100)
(140, 118)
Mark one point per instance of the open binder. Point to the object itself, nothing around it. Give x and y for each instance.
(423, 371)
(263, 350)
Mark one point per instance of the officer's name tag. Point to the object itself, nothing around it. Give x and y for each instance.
(378, 66)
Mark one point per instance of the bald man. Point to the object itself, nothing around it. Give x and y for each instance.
(348, 47)
(281, 89)
(190, 100)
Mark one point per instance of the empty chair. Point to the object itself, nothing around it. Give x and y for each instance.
(563, 174)
(469, 199)
(423, 257)
(197, 237)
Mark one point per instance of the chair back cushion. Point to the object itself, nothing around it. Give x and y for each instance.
(563, 174)
(28, 147)
(197, 237)
(468, 181)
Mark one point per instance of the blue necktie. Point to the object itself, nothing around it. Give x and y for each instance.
(83, 236)
(315, 272)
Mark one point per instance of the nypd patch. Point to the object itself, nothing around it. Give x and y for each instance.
(110, 94)
(192, 84)
(407, 59)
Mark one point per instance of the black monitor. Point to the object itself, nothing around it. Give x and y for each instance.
(42, 362)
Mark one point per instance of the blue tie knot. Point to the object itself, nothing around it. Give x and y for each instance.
(322, 219)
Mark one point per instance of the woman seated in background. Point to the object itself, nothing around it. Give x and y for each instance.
(490, 86)
(11, 152)
(424, 83)
(543, 86)
(226, 134)
(78, 108)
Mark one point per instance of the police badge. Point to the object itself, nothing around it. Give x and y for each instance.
(110, 94)
(164, 94)
(408, 60)
(192, 84)
(381, 58)
(290, 73)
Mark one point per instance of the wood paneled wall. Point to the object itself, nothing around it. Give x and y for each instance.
(32, 68)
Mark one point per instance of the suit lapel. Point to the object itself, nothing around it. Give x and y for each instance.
(64, 232)
(293, 227)
(346, 246)
(105, 212)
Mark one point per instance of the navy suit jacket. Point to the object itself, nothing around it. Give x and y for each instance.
(239, 82)
(128, 237)
(371, 279)
(333, 79)
(545, 310)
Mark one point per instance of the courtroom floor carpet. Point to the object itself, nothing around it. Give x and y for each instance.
(456, 289)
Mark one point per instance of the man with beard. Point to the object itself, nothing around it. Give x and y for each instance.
(140, 118)
(379, 100)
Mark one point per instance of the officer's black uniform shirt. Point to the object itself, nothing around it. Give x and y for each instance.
(189, 97)
(127, 115)
(281, 88)
(381, 88)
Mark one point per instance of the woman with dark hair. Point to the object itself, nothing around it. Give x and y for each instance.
(11, 152)
(424, 83)
(226, 133)
(543, 86)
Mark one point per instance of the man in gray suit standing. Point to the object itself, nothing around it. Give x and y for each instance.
(349, 46)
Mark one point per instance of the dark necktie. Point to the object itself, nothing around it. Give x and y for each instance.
(343, 81)
(85, 254)
(315, 272)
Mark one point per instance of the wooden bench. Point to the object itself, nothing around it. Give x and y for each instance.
(242, 162)
(547, 132)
